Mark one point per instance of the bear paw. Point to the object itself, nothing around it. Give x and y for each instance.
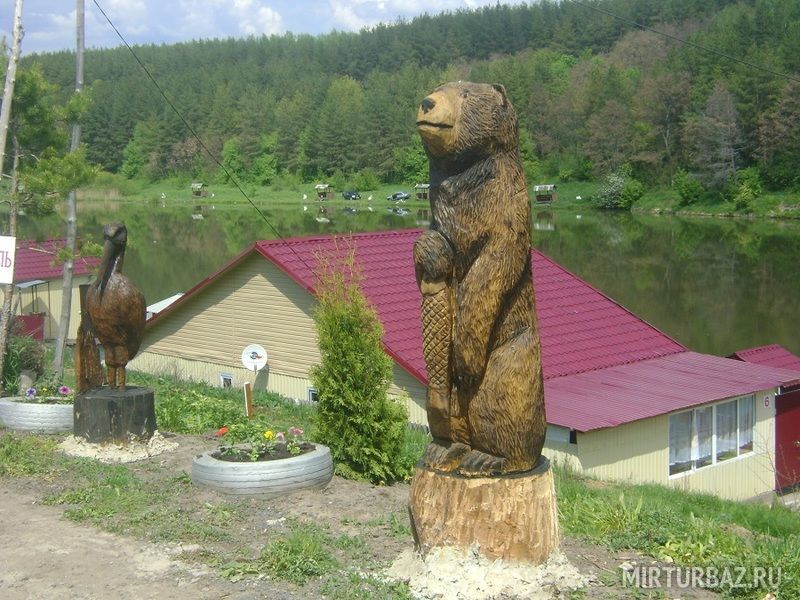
(444, 455)
(480, 464)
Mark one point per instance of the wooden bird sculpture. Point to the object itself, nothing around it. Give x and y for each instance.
(116, 306)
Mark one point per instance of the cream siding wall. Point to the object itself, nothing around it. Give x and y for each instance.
(254, 303)
(47, 298)
(639, 452)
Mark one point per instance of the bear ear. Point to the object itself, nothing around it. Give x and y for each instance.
(501, 88)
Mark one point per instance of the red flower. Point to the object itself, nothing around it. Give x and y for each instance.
(221, 431)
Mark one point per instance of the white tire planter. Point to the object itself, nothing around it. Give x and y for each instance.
(311, 470)
(32, 416)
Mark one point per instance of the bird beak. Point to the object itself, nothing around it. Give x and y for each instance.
(108, 260)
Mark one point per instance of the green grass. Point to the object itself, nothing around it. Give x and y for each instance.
(113, 498)
(783, 204)
(196, 408)
(693, 530)
(28, 455)
(305, 552)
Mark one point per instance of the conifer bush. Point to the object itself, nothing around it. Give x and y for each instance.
(356, 419)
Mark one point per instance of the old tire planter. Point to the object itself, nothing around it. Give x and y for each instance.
(311, 470)
(33, 416)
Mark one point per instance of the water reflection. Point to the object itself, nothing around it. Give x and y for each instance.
(714, 285)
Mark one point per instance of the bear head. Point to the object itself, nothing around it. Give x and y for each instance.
(461, 123)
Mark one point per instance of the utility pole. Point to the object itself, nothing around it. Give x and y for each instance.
(5, 119)
(72, 225)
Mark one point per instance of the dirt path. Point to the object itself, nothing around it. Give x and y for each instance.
(44, 556)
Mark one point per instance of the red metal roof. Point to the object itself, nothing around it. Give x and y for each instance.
(37, 260)
(773, 355)
(626, 393)
(603, 365)
(581, 329)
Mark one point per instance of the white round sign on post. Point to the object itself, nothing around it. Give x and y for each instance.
(254, 357)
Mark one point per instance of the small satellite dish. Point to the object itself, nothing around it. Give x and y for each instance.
(254, 357)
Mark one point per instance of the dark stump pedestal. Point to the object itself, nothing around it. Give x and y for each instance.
(112, 415)
(512, 517)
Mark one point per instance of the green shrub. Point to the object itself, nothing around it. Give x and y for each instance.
(631, 192)
(363, 427)
(366, 180)
(744, 198)
(287, 181)
(689, 190)
(618, 191)
(23, 353)
(752, 178)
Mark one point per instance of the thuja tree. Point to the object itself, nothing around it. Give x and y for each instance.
(356, 418)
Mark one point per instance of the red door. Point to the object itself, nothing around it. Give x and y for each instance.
(787, 440)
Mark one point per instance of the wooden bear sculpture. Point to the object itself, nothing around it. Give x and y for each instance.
(485, 401)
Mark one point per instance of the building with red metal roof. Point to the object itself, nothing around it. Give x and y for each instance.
(38, 273)
(773, 355)
(613, 383)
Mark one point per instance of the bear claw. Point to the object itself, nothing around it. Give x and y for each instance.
(444, 455)
(480, 464)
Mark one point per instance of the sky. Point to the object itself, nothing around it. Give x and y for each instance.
(50, 24)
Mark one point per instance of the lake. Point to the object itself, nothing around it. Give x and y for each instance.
(714, 285)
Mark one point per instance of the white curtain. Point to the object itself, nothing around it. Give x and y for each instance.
(726, 430)
(680, 442)
(747, 418)
(704, 426)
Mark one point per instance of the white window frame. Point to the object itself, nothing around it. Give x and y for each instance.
(223, 377)
(694, 450)
(312, 395)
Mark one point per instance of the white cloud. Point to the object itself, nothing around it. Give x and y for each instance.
(255, 18)
(265, 20)
(357, 14)
(130, 16)
(215, 18)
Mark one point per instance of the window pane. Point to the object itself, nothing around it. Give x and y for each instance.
(747, 418)
(705, 430)
(726, 430)
(680, 442)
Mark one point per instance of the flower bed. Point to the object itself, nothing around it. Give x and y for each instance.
(275, 477)
(252, 459)
(21, 414)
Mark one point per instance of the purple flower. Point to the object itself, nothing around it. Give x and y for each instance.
(280, 436)
(296, 431)
(30, 393)
(64, 390)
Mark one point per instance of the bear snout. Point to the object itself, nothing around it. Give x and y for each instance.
(427, 104)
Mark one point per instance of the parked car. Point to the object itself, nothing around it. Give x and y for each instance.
(351, 195)
(398, 197)
(399, 211)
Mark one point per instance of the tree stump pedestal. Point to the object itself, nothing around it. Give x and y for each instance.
(113, 415)
(511, 517)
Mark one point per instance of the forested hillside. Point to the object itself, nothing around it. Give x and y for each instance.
(593, 92)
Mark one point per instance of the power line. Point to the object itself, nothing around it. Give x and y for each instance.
(197, 137)
(690, 43)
